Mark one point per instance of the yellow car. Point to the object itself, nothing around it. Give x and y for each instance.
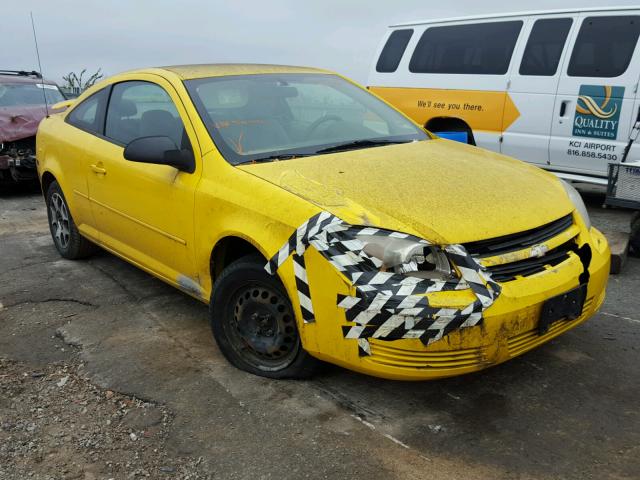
(318, 222)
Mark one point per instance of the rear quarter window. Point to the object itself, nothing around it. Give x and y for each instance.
(604, 46)
(473, 49)
(88, 115)
(393, 51)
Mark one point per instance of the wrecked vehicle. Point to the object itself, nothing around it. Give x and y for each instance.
(22, 107)
(318, 222)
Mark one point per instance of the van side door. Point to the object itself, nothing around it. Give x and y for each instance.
(634, 153)
(594, 105)
(533, 86)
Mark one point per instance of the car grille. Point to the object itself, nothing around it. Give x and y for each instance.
(519, 241)
(385, 354)
(524, 268)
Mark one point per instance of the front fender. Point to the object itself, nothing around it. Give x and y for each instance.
(232, 203)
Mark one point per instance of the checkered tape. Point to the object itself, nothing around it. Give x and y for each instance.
(386, 305)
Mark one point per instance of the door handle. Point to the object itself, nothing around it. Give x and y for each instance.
(98, 170)
(563, 108)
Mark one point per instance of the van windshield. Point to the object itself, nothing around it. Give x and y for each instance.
(279, 116)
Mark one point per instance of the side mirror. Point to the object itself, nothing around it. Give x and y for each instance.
(160, 151)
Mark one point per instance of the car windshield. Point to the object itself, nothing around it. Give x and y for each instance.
(21, 94)
(269, 117)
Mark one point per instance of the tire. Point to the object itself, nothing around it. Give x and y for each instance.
(66, 237)
(253, 322)
(634, 238)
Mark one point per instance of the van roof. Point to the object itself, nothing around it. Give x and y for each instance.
(514, 14)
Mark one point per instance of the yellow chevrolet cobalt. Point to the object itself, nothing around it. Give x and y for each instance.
(318, 222)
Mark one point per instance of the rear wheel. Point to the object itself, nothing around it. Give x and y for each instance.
(66, 237)
(253, 322)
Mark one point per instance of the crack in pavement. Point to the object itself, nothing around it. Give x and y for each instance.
(21, 267)
(49, 300)
(115, 280)
(122, 285)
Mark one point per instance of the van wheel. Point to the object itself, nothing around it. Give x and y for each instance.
(634, 238)
(440, 125)
(66, 237)
(253, 322)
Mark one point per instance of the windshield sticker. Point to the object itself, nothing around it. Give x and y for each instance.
(47, 86)
(386, 305)
(598, 111)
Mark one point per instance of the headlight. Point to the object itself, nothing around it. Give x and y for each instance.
(401, 255)
(575, 197)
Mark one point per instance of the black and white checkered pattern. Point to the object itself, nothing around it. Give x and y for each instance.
(387, 306)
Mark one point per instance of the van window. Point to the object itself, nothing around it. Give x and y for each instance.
(545, 45)
(477, 49)
(393, 50)
(604, 46)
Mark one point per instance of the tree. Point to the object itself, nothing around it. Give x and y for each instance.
(78, 83)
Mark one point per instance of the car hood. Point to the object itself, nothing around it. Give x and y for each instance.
(20, 122)
(440, 190)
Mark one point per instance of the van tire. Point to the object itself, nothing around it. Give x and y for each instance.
(254, 324)
(450, 124)
(634, 237)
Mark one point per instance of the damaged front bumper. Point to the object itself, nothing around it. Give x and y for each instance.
(504, 326)
(18, 161)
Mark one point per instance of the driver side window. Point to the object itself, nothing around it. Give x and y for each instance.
(143, 109)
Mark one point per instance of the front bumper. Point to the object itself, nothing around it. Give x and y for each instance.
(509, 327)
(17, 161)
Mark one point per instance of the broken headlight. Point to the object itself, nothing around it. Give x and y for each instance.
(577, 201)
(408, 257)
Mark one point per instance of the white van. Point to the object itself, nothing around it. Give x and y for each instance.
(558, 89)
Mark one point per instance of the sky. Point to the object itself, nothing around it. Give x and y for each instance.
(340, 35)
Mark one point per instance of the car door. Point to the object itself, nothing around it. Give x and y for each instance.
(145, 211)
(594, 105)
(85, 122)
(533, 86)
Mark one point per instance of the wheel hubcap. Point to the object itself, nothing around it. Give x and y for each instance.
(263, 328)
(59, 219)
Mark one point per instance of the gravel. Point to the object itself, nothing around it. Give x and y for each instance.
(56, 424)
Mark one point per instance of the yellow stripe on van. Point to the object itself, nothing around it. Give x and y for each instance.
(488, 111)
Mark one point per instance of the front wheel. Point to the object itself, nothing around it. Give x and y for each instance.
(253, 322)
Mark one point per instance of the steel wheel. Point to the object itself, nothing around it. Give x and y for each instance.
(59, 219)
(262, 330)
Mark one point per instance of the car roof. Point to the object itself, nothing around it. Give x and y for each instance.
(23, 79)
(188, 72)
(515, 14)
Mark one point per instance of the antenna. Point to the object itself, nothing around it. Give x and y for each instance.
(35, 39)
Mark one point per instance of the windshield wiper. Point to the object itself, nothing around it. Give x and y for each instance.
(275, 158)
(361, 144)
